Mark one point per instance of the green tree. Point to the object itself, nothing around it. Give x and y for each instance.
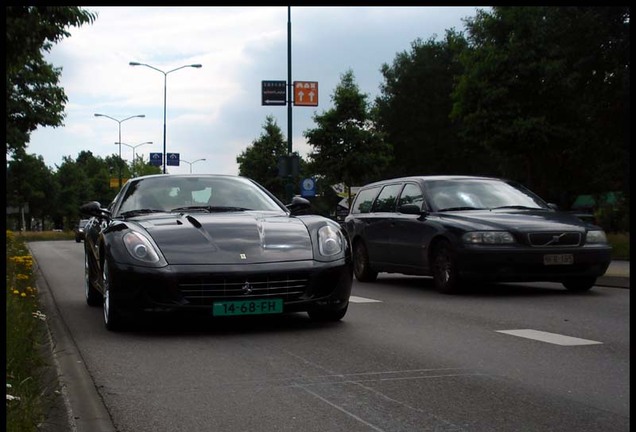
(347, 147)
(73, 186)
(542, 93)
(414, 109)
(34, 97)
(30, 187)
(97, 174)
(259, 161)
(139, 167)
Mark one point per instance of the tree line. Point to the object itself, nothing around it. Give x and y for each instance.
(535, 94)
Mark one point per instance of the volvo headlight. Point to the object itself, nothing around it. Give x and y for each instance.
(488, 237)
(596, 237)
(330, 241)
(140, 248)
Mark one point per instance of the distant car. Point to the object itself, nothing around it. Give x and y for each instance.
(216, 244)
(79, 230)
(460, 228)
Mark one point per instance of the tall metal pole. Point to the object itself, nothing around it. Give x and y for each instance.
(119, 123)
(290, 187)
(119, 163)
(165, 92)
(289, 84)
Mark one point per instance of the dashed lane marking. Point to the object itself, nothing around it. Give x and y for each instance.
(354, 299)
(552, 338)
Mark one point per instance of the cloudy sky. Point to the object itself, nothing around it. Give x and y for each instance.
(215, 112)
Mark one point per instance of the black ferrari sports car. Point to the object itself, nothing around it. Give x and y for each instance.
(217, 244)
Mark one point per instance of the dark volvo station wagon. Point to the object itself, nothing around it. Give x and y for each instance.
(461, 228)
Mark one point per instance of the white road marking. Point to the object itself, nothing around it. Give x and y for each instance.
(354, 299)
(552, 338)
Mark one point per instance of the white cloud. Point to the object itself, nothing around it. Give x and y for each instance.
(215, 112)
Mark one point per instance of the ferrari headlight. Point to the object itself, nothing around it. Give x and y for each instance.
(596, 237)
(488, 237)
(330, 241)
(139, 247)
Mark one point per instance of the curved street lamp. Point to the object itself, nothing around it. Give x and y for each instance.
(191, 163)
(133, 147)
(165, 82)
(119, 123)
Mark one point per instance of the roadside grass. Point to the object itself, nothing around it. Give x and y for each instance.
(26, 339)
(28, 390)
(620, 245)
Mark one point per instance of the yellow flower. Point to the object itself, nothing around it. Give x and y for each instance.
(16, 292)
(23, 295)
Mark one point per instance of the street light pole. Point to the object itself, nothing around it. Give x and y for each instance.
(119, 123)
(191, 163)
(165, 88)
(133, 147)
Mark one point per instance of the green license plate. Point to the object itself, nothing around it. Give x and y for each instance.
(247, 307)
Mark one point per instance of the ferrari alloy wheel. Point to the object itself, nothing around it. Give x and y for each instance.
(112, 315)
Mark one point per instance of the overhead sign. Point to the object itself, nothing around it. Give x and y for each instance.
(172, 159)
(305, 93)
(274, 92)
(156, 159)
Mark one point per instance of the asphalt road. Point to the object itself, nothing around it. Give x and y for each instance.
(508, 357)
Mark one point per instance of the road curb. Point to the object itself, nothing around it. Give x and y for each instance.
(613, 281)
(85, 410)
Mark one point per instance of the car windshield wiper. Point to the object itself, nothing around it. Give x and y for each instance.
(460, 208)
(138, 212)
(210, 209)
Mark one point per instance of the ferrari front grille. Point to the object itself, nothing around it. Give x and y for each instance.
(206, 290)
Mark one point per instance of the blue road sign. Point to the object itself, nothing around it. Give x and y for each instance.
(308, 187)
(156, 159)
(172, 159)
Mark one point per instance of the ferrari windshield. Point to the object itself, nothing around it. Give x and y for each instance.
(185, 193)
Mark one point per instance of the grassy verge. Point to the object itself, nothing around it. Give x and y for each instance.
(27, 390)
(620, 245)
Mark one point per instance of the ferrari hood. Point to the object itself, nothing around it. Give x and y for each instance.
(229, 238)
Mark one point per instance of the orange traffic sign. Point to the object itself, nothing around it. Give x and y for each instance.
(305, 93)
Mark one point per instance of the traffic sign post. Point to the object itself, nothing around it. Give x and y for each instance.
(308, 187)
(274, 92)
(156, 159)
(172, 159)
(305, 93)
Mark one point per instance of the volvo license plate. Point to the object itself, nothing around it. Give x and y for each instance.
(558, 259)
(247, 307)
